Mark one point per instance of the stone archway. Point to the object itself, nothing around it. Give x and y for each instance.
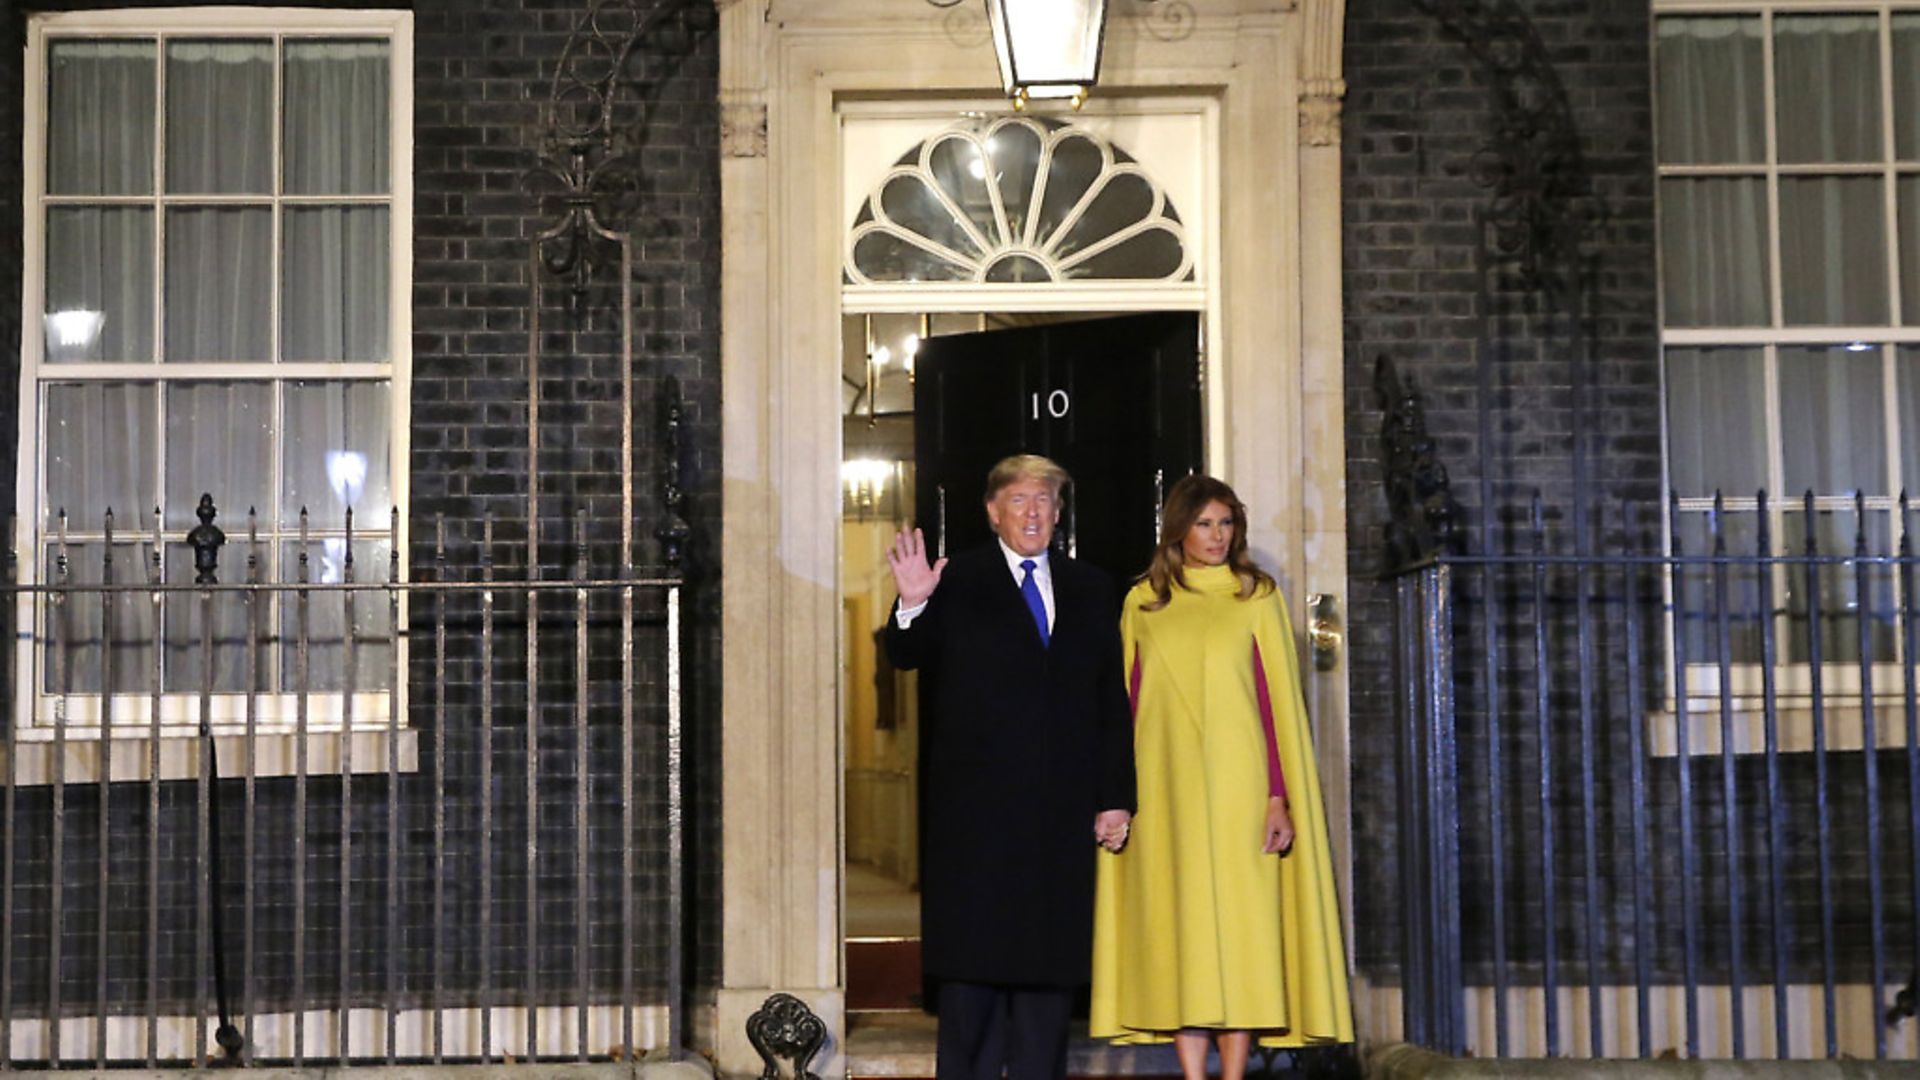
(1275, 72)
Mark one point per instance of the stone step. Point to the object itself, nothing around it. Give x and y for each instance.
(883, 974)
(900, 1045)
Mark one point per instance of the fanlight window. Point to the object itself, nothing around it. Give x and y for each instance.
(1017, 199)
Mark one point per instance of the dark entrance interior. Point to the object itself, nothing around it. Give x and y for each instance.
(1114, 400)
(930, 402)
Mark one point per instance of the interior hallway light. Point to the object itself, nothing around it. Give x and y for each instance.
(76, 328)
(1047, 48)
(347, 475)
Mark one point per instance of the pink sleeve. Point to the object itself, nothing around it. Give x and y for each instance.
(1133, 685)
(1276, 781)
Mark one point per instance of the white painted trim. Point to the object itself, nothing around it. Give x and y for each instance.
(1793, 728)
(223, 21)
(1748, 7)
(1759, 337)
(275, 753)
(273, 1034)
(35, 372)
(1854, 1014)
(238, 371)
(948, 297)
(785, 67)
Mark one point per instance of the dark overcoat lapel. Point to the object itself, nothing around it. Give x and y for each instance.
(1021, 746)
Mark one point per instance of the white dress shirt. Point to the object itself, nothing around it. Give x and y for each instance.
(1042, 580)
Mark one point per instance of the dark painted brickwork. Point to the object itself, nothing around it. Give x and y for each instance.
(1421, 120)
(13, 38)
(481, 71)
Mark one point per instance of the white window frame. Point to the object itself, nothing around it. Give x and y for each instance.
(371, 711)
(1841, 680)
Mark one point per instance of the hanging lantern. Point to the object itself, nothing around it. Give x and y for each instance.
(1047, 48)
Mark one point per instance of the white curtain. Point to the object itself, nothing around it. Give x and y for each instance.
(336, 118)
(335, 303)
(90, 471)
(100, 96)
(1716, 421)
(220, 117)
(1906, 85)
(105, 444)
(336, 451)
(1833, 429)
(219, 285)
(219, 442)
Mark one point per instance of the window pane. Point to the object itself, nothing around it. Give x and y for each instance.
(335, 303)
(1151, 253)
(912, 203)
(75, 630)
(332, 664)
(100, 117)
(886, 257)
(233, 633)
(1909, 191)
(1833, 427)
(1835, 533)
(219, 284)
(336, 118)
(1906, 85)
(1827, 87)
(1014, 151)
(1833, 256)
(1713, 236)
(1716, 421)
(220, 116)
(961, 171)
(99, 300)
(1907, 380)
(1701, 591)
(1125, 199)
(336, 455)
(1073, 169)
(1711, 91)
(100, 445)
(220, 443)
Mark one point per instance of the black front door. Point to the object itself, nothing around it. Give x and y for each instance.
(1115, 401)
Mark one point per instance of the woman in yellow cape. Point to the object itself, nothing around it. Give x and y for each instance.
(1217, 917)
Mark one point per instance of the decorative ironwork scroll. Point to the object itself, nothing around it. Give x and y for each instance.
(1543, 209)
(785, 1028)
(1423, 519)
(587, 175)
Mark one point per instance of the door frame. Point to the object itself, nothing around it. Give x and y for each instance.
(787, 66)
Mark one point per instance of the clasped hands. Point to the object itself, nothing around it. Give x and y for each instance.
(1110, 828)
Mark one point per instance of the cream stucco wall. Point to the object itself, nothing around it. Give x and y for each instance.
(786, 66)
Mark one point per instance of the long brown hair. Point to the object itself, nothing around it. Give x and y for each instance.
(1182, 508)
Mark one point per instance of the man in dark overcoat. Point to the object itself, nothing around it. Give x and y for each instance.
(1028, 763)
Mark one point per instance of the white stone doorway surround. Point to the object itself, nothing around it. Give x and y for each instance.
(1271, 71)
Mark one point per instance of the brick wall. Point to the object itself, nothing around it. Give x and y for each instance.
(482, 69)
(1423, 126)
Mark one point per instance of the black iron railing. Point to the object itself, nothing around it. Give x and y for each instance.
(1662, 794)
(342, 817)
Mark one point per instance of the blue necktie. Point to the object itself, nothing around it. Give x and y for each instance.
(1030, 592)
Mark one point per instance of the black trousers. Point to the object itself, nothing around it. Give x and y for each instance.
(986, 1030)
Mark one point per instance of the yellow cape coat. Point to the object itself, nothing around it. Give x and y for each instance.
(1193, 925)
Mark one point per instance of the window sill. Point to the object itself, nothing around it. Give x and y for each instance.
(34, 758)
(1843, 718)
